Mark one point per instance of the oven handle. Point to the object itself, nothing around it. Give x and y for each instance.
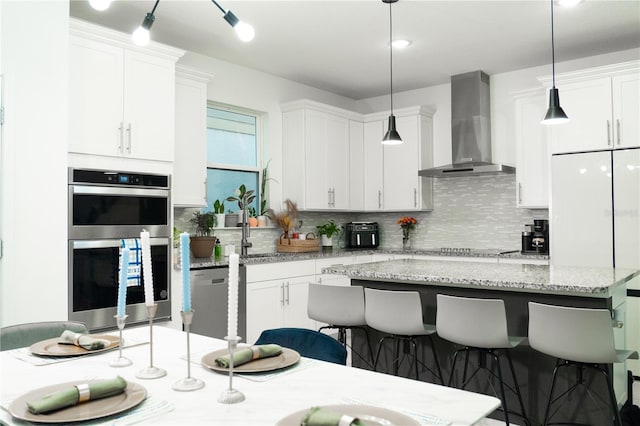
(89, 244)
(102, 190)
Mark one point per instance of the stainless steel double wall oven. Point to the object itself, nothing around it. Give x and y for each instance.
(106, 207)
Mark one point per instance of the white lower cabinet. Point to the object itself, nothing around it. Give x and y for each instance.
(277, 296)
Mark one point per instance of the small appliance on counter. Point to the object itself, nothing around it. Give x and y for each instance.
(362, 235)
(536, 238)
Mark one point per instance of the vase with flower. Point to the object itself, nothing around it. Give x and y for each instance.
(407, 223)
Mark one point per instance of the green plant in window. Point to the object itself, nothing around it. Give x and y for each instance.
(263, 189)
(218, 207)
(243, 197)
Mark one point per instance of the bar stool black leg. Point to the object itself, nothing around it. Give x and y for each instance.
(503, 395)
(517, 388)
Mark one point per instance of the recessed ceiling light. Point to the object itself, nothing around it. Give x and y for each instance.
(400, 44)
(569, 3)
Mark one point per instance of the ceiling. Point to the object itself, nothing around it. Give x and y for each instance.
(342, 46)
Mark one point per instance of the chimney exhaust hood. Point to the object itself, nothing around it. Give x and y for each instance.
(470, 130)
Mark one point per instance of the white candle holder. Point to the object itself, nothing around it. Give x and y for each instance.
(121, 361)
(231, 395)
(188, 383)
(151, 372)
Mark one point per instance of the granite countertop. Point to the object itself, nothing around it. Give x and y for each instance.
(259, 258)
(598, 282)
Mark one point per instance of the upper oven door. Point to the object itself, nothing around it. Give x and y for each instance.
(105, 212)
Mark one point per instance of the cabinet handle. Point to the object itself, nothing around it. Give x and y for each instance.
(121, 130)
(519, 192)
(618, 130)
(379, 199)
(129, 139)
(282, 294)
(415, 198)
(608, 132)
(287, 293)
(333, 197)
(329, 197)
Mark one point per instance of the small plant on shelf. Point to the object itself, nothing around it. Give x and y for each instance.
(218, 207)
(327, 231)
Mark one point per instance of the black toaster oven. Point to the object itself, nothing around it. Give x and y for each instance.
(362, 235)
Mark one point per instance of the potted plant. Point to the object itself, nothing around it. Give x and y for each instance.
(203, 242)
(253, 220)
(262, 216)
(218, 210)
(244, 198)
(327, 231)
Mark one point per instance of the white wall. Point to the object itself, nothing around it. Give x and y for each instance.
(240, 86)
(34, 64)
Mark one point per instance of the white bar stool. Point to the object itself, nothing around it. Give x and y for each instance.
(342, 308)
(399, 313)
(479, 325)
(580, 337)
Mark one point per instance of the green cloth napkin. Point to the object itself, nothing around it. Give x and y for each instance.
(245, 355)
(69, 397)
(318, 416)
(84, 340)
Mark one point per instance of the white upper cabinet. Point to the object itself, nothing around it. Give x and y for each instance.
(190, 162)
(391, 181)
(122, 97)
(532, 150)
(316, 156)
(356, 165)
(373, 166)
(603, 107)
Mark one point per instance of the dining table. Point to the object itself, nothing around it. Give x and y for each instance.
(271, 397)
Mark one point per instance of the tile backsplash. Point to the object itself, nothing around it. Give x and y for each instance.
(475, 212)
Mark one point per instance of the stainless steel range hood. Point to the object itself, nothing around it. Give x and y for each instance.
(470, 130)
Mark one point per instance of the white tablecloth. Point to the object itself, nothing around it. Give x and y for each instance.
(268, 399)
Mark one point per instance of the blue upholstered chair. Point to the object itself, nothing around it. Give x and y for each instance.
(22, 335)
(309, 343)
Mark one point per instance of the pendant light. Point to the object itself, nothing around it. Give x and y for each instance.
(555, 113)
(141, 35)
(391, 137)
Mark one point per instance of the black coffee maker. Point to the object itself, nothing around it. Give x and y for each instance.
(536, 238)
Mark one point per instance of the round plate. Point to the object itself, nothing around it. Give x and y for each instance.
(133, 395)
(51, 347)
(368, 415)
(285, 359)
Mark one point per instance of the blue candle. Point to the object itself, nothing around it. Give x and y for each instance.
(185, 262)
(122, 285)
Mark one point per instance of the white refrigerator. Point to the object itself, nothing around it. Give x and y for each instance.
(595, 221)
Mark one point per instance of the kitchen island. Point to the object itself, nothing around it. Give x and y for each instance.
(516, 285)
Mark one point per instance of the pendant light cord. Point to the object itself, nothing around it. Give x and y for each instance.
(154, 7)
(553, 50)
(391, 54)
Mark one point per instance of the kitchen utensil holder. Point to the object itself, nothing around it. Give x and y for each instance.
(151, 372)
(231, 395)
(121, 361)
(188, 383)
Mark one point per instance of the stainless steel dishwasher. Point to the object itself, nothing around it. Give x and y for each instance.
(210, 289)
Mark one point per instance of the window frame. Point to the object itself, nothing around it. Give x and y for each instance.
(260, 118)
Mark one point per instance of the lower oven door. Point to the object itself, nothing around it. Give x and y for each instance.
(93, 283)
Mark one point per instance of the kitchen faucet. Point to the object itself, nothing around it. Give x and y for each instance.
(245, 244)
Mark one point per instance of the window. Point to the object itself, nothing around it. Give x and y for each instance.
(232, 154)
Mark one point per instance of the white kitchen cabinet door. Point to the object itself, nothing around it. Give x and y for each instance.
(265, 307)
(626, 202)
(96, 98)
(626, 110)
(402, 184)
(149, 107)
(190, 158)
(356, 165)
(588, 106)
(122, 102)
(316, 159)
(373, 166)
(532, 152)
(296, 301)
